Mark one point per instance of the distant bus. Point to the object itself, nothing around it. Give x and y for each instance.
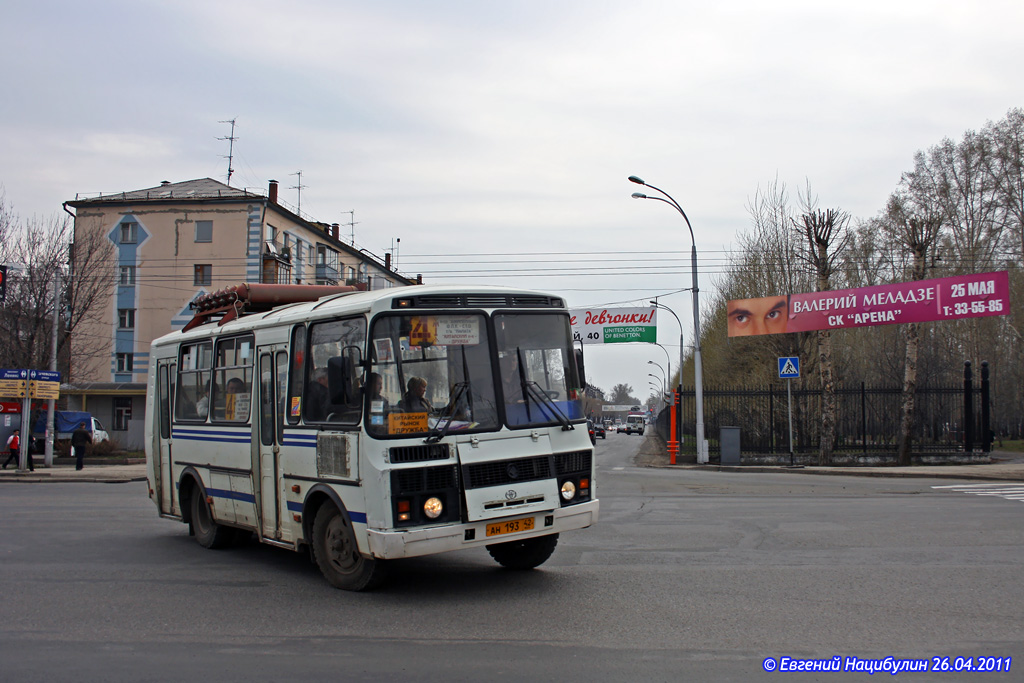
(372, 426)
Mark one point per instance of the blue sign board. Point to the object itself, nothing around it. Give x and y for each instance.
(45, 375)
(789, 368)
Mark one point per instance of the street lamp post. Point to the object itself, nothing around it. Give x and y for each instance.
(664, 375)
(698, 371)
(660, 382)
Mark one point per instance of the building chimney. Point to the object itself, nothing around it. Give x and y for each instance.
(334, 230)
(387, 261)
(272, 193)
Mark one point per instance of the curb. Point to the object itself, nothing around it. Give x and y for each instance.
(901, 474)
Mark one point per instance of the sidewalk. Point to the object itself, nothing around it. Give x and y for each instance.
(63, 472)
(1005, 466)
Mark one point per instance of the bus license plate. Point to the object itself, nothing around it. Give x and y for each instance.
(510, 527)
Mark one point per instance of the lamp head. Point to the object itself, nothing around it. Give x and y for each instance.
(638, 195)
(638, 181)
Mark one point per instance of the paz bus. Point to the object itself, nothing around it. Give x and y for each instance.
(372, 426)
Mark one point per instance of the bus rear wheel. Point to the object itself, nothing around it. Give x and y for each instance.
(208, 533)
(337, 554)
(525, 554)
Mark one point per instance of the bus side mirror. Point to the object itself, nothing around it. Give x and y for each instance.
(580, 370)
(342, 379)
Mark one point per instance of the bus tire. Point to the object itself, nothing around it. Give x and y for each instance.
(337, 554)
(208, 533)
(525, 554)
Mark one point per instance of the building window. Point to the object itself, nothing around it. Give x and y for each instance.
(129, 232)
(127, 277)
(125, 362)
(122, 413)
(204, 231)
(203, 274)
(126, 318)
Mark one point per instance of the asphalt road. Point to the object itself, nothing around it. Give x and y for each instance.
(689, 575)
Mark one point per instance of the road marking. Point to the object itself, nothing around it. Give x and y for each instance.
(1010, 490)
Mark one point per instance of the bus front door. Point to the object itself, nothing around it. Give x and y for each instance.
(272, 373)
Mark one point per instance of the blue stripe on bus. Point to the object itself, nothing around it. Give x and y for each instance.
(357, 517)
(232, 495)
(302, 439)
(211, 435)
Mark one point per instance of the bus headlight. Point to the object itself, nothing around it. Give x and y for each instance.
(433, 507)
(568, 490)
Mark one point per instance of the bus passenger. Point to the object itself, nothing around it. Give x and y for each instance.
(203, 403)
(375, 385)
(318, 397)
(415, 400)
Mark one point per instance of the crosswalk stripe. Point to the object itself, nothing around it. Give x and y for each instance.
(1010, 490)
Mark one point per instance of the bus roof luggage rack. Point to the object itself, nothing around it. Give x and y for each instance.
(238, 300)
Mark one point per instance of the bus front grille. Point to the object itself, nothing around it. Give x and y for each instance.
(437, 451)
(504, 472)
(405, 482)
(570, 463)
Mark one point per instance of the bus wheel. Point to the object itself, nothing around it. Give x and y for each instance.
(525, 554)
(337, 554)
(208, 532)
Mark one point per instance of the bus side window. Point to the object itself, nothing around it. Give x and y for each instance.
(192, 401)
(333, 339)
(295, 373)
(232, 381)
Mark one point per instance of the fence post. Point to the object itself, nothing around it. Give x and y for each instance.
(771, 419)
(863, 418)
(968, 409)
(986, 427)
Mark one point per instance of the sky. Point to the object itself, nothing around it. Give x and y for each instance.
(490, 142)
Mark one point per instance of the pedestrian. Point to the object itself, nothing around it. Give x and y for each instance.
(80, 438)
(13, 444)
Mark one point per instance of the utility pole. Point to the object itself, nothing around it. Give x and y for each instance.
(231, 147)
(48, 452)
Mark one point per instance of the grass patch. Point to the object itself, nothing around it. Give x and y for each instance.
(1012, 445)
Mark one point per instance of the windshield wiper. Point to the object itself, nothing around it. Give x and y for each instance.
(448, 416)
(542, 398)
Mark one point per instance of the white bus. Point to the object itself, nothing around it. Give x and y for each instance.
(371, 426)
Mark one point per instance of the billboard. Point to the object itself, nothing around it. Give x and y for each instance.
(948, 298)
(614, 326)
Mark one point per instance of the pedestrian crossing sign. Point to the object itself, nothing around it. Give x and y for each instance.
(789, 368)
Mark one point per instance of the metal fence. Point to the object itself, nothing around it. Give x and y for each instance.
(867, 420)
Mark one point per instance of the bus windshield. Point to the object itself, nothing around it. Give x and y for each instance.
(430, 373)
(540, 385)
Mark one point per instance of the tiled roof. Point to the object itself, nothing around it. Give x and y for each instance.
(203, 188)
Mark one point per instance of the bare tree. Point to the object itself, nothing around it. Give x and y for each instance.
(917, 229)
(825, 238)
(38, 252)
(1005, 166)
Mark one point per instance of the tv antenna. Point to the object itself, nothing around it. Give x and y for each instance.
(231, 146)
(298, 187)
(352, 223)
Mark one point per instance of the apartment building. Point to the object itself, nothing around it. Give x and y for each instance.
(172, 243)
